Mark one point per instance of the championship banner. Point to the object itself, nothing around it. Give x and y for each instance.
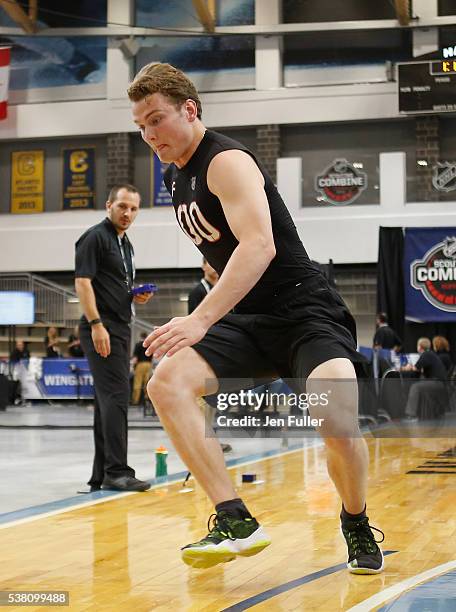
(430, 274)
(79, 178)
(5, 56)
(159, 193)
(27, 181)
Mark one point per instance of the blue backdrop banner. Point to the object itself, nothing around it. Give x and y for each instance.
(61, 378)
(430, 274)
(160, 195)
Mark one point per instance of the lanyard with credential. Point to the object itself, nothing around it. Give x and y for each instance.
(128, 279)
(206, 285)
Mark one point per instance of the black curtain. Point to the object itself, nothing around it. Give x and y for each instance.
(390, 278)
(413, 331)
(327, 270)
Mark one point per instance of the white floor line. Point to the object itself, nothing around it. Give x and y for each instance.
(396, 589)
(93, 502)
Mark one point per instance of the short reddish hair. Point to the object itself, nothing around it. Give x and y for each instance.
(440, 343)
(167, 80)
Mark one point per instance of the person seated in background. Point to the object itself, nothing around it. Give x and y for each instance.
(74, 344)
(51, 342)
(385, 337)
(441, 348)
(431, 368)
(19, 352)
(142, 366)
(199, 292)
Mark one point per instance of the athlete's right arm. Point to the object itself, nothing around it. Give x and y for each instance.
(236, 180)
(238, 183)
(100, 335)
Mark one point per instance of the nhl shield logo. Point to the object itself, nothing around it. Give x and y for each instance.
(449, 248)
(444, 176)
(435, 275)
(340, 183)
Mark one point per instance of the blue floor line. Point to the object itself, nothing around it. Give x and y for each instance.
(288, 586)
(75, 501)
(78, 500)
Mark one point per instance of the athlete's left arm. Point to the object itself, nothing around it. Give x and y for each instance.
(236, 180)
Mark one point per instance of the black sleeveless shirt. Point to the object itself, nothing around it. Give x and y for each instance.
(201, 217)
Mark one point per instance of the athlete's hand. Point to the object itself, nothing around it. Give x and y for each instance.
(174, 335)
(101, 340)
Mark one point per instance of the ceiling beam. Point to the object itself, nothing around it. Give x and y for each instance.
(244, 30)
(205, 15)
(18, 14)
(402, 11)
(212, 6)
(33, 11)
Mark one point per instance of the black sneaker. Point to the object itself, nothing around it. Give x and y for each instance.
(125, 483)
(364, 556)
(228, 537)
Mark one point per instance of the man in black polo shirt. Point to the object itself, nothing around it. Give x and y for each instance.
(104, 280)
(385, 336)
(433, 385)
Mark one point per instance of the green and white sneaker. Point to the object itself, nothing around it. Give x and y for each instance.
(228, 537)
(364, 554)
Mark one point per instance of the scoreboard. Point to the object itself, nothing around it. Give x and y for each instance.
(427, 87)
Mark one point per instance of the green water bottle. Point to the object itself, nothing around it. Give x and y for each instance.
(161, 469)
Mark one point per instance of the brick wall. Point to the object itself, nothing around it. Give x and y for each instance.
(427, 149)
(268, 147)
(120, 159)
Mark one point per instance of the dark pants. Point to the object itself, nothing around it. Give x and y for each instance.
(112, 392)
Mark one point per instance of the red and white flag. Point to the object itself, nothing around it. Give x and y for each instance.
(4, 79)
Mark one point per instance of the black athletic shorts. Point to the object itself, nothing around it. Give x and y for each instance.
(302, 327)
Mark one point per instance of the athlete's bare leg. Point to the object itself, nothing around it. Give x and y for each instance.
(174, 389)
(347, 453)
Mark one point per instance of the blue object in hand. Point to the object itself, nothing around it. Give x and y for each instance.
(147, 288)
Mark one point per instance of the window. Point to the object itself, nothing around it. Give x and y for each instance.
(304, 11)
(435, 180)
(214, 63)
(322, 147)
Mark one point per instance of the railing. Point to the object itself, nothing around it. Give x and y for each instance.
(54, 304)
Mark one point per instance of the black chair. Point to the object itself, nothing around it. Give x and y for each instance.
(433, 403)
(451, 387)
(367, 395)
(392, 397)
(4, 392)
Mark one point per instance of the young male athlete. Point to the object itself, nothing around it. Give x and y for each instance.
(287, 321)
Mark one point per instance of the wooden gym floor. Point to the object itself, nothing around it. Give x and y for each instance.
(122, 552)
